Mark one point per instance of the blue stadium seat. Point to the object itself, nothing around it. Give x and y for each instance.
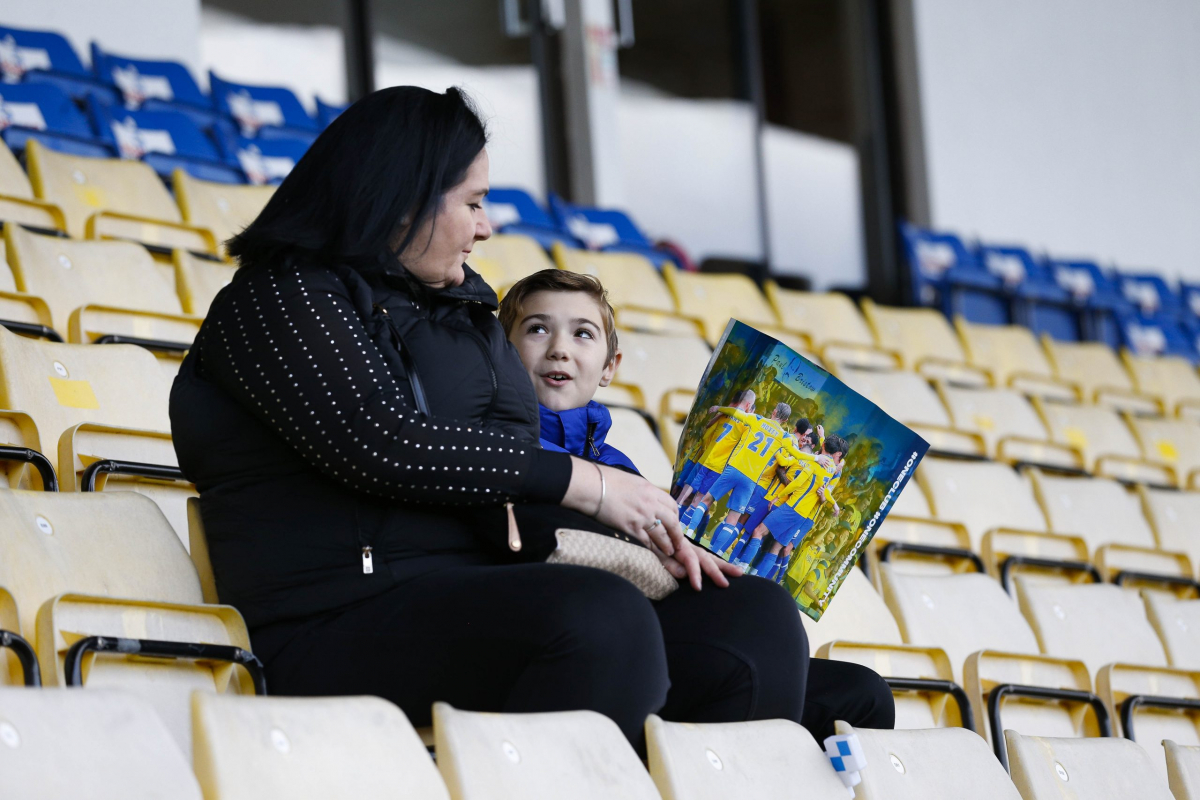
(44, 112)
(605, 229)
(946, 275)
(1040, 303)
(164, 140)
(264, 161)
(47, 57)
(262, 110)
(1088, 285)
(515, 211)
(328, 112)
(1189, 299)
(159, 86)
(928, 256)
(1150, 295)
(1157, 336)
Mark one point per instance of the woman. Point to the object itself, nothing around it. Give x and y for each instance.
(354, 419)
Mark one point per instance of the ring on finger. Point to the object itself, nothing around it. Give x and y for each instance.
(653, 525)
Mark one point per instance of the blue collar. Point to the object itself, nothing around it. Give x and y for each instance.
(568, 431)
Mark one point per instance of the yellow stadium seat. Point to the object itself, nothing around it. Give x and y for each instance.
(1176, 622)
(1183, 770)
(98, 744)
(576, 754)
(309, 749)
(97, 290)
(632, 435)
(1108, 445)
(93, 404)
(1046, 768)
(672, 414)
(715, 298)
(198, 279)
(910, 399)
(1174, 442)
(718, 761)
(108, 565)
(1012, 355)
(1173, 379)
(833, 324)
(925, 341)
(660, 363)
(1098, 372)
(620, 394)
(944, 764)
(112, 198)
(17, 203)
(509, 257)
(989, 644)
(1172, 517)
(1109, 518)
(858, 627)
(223, 208)
(630, 279)
(997, 507)
(1009, 424)
(1105, 626)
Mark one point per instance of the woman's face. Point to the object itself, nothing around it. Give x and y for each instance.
(436, 259)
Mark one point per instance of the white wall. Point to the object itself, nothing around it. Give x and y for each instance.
(814, 206)
(149, 28)
(1070, 125)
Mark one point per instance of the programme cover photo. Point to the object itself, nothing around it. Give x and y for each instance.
(784, 470)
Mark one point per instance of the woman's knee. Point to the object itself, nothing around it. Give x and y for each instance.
(604, 617)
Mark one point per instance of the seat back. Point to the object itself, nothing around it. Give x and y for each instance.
(958, 613)
(309, 749)
(43, 107)
(199, 280)
(633, 436)
(1005, 350)
(1173, 517)
(821, 316)
(266, 161)
(629, 278)
(938, 764)
(144, 134)
(517, 256)
(1100, 510)
(717, 298)
(29, 50)
(61, 743)
(257, 107)
(140, 80)
(994, 414)
(1172, 378)
(1098, 623)
(716, 761)
(1172, 441)
(1046, 768)
(917, 334)
(577, 754)
(70, 274)
(1183, 770)
(657, 363)
(1177, 623)
(1095, 430)
(981, 495)
(1092, 366)
(223, 208)
(81, 186)
(904, 395)
(860, 616)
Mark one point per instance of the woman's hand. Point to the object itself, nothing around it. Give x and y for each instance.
(715, 568)
(634, 506)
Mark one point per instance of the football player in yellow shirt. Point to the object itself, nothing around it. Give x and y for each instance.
(753, 456)
(798, 505)
(762, 502)
(721, 435)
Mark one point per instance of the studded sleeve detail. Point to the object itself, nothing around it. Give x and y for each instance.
(291, 349)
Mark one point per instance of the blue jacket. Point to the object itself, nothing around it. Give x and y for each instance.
(581, 432)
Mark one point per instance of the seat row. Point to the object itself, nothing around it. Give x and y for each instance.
(363, 747)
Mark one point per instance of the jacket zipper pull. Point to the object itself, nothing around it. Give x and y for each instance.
(368, 563)
(514, 535)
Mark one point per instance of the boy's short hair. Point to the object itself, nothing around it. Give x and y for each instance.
(836, 444)
(559, 280)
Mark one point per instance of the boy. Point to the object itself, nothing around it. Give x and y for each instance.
(798, 504)
(753, 455)
(565, 333)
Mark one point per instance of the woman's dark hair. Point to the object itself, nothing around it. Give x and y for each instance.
(383, 163)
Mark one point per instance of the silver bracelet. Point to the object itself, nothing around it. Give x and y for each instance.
(599, 505)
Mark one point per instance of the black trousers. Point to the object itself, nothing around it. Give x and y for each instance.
(548, 637)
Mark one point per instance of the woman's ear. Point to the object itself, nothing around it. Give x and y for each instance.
(610, 370)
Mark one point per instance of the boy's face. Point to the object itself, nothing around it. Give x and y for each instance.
(563, 345)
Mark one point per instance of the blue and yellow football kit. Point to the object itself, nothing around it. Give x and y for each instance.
(750, 459)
